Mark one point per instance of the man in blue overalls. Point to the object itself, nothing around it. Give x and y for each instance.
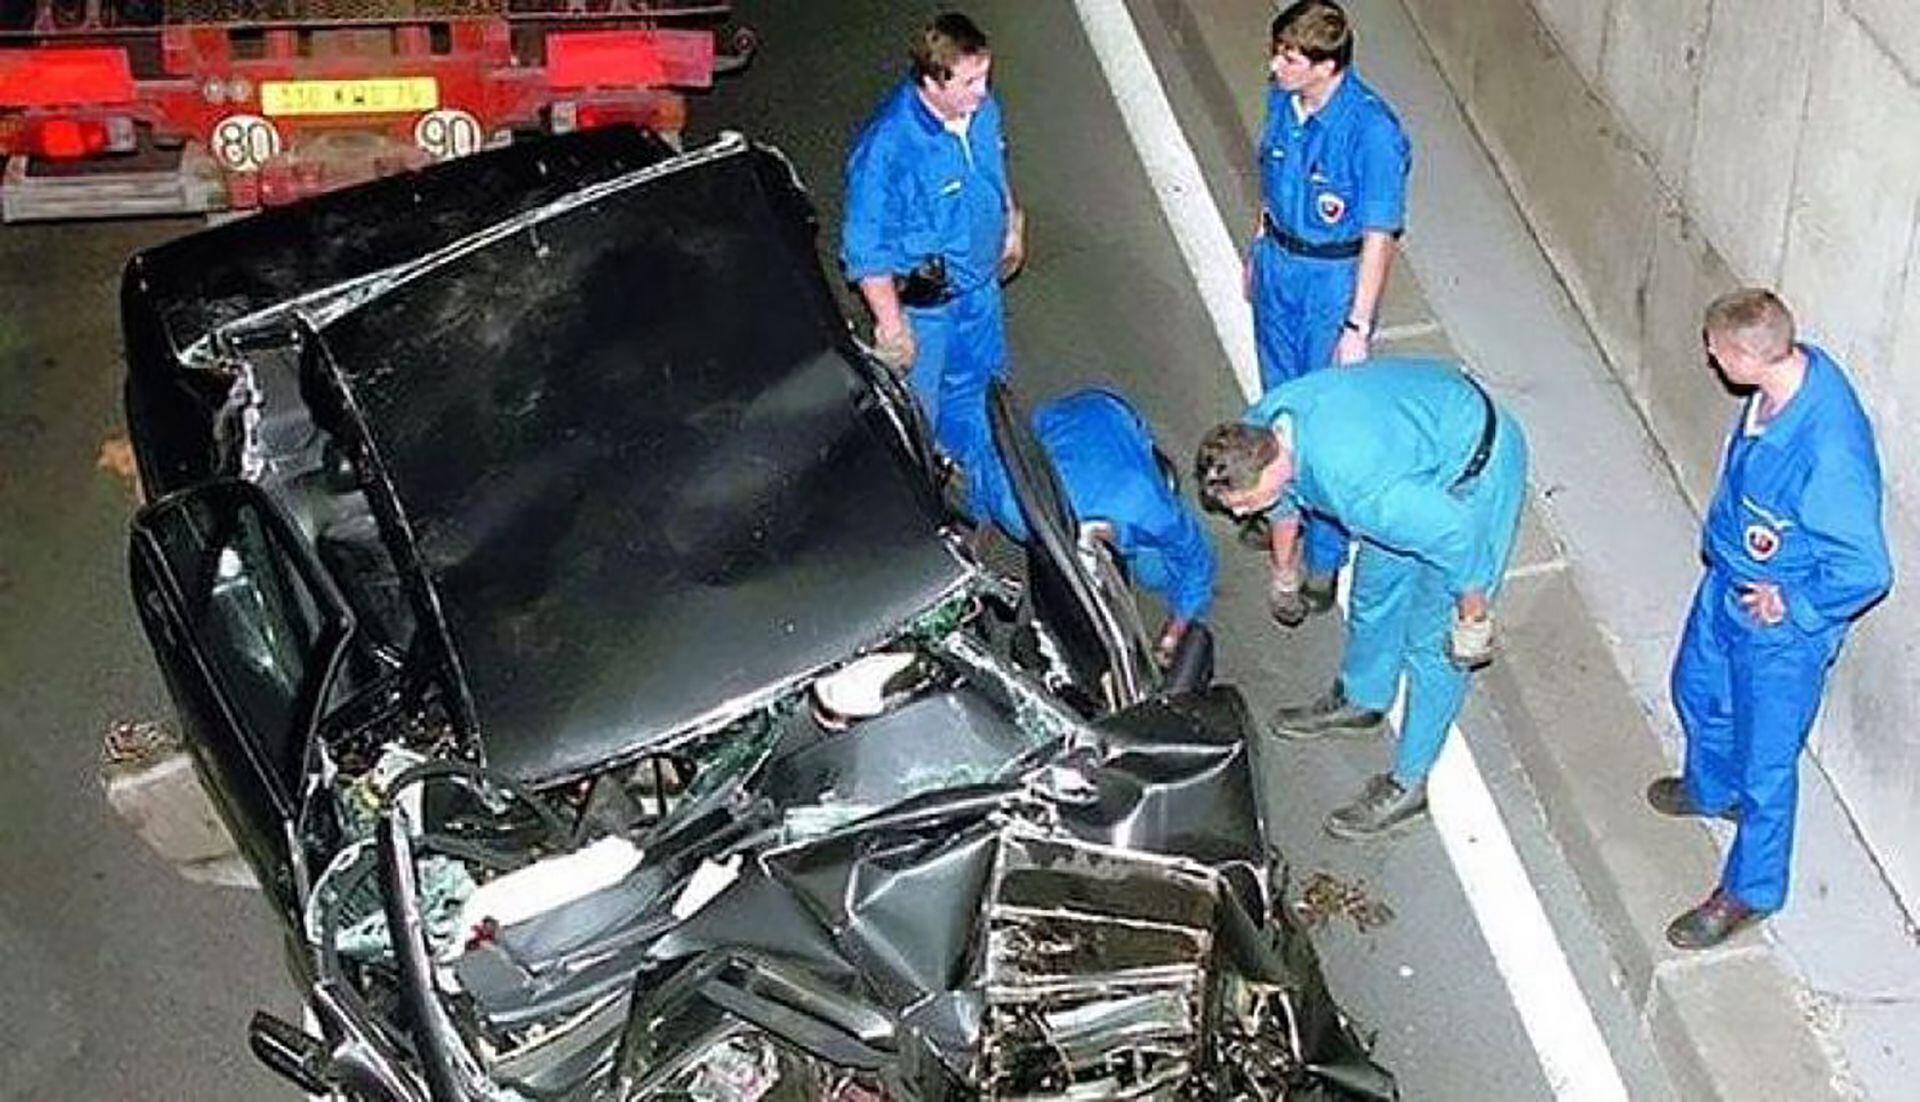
(1429, 475)
(1333, 168)
(1794, 552)
(1106, 459)
(932, 227)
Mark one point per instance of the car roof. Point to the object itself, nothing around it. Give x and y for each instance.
(638, 460)
(193, 285)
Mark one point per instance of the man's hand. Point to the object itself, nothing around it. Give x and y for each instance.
(892, 333)
(1763, 602)
(1170, 637)
(893, 343)
(1284, 599)
(1471, 644)
(1471, 605)
(1354, 346)
(1286, 577)
(1013, 250)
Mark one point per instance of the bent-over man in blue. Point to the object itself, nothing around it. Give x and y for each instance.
(1429, 475)
(1105, 456)
(1794, 551)
(932, 227)
(1333, 163)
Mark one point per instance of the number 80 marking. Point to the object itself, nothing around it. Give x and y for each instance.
(245, 143)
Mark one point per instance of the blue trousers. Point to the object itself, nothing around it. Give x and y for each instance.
(1401, 612)
(1298, 305)
(1747, 696)
(959, 348)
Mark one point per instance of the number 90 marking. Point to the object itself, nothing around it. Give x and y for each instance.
(245, 143)
(447, 133)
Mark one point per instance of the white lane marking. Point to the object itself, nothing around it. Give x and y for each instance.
(1573, 1055)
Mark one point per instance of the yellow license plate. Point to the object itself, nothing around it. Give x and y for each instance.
(379, 95)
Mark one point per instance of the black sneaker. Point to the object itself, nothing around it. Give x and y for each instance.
(1382, 806)
(1332, 714)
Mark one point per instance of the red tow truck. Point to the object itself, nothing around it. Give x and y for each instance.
(132, 107)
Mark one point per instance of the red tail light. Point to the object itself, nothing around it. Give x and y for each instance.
(66, 139)
(65, 76)
(629, 59)
(62, 139)
(659, 113)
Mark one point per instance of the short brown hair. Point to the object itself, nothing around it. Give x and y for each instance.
(942, 43)
(1231, 457)
(1753, 318)
(1317, 29)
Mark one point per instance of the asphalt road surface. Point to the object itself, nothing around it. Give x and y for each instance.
(122, 980)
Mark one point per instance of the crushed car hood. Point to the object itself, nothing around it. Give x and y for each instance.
(629, 442)
(1106, 929)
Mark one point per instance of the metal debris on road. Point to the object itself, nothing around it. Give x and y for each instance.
(116, 458)
(1326, 896)
(136, 742)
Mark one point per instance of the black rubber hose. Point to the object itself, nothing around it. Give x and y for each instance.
(431, 770)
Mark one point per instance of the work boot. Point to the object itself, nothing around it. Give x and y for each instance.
(1712, 922)
(1332, 714)
(1383, 805)
(1317, 591)
(1668, 796)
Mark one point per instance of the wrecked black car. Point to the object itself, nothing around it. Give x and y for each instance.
(563, 615)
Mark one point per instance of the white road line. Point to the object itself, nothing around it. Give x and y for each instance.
(1573, 1055)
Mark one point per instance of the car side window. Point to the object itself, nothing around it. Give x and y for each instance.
(256, 623)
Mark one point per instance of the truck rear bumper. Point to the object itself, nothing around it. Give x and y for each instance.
(193, 185)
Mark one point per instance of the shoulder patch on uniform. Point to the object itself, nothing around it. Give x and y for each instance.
(1331, 206)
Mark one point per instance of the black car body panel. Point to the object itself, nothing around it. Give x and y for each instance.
(562, 610)
(636, 466)
(176, 295)
(1024, 940)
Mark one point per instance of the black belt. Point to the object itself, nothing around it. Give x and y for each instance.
(1483, 450)
(1331, 250)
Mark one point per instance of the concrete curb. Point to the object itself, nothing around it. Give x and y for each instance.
(1730, 1023)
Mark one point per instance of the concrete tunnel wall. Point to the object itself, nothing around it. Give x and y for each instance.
(1667, 150)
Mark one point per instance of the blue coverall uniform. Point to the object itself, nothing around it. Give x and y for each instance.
(1797, 506)
(1324, 181)
(1384, 449)
(917, 189)
(1104, 454)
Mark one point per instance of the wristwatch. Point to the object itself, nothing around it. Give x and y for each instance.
(1364, 328)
